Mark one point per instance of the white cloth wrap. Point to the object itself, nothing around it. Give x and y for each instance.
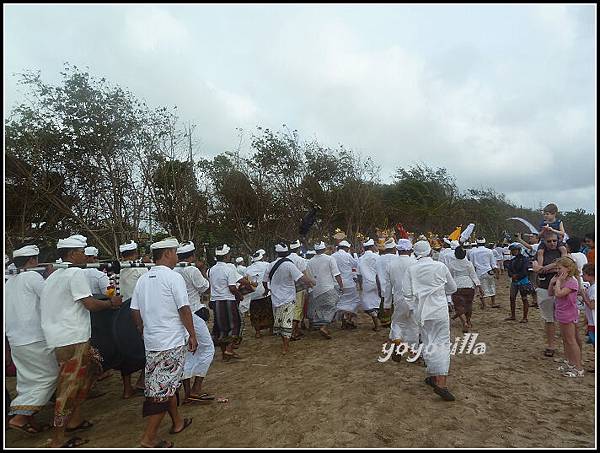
(435, 334)
(197, 364)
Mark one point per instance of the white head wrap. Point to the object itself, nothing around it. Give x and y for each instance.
(447, 241)
(6, 260)
(294, 245)
(320, 246)
(169, 243)
(369, 243)
(344, 243)
(258, 255)
(465, 235)
(28, 250)
(404, 245)
(222, 250)
(76, 241)
(281, 248)
(239, 259)
(422, 248)
(91, 251)
(389, 244)
(127, 247)
(454, 244)
(481, 241)
(310, 253)
(186, 247)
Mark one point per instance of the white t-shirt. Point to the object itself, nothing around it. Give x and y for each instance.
(345, 264)
(98, 280)
(589, 313)
(367, 267)
(241, 269)
(283, 284)
(22, 301)
(255, 273)
(300, 262)
(483, 260)
(195, 284)
(128, 279)
(65, 320)
(323, 269)
(158, 295)
(221, 276)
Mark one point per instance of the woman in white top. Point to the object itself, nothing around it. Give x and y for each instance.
(463, 272)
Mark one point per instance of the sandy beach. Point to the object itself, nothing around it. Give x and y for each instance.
(336, 394)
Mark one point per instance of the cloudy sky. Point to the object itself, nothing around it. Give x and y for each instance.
(502, 96)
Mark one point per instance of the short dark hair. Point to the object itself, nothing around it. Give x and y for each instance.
(551, 208)
(128, 253)
(19, 261)
(591, 236)
(460, 253)
(574, 244)
(157, 254)
(589, 269)
(64, 252)
(283, 254)
(186, 255)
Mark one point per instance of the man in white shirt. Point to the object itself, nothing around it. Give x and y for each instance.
(425, 286)
(37, 369)
(66, 302)
(225, 298)
(301, 293)
(161, 311)
(403, 327)
(349, 300)
(367, 269)
(261, 310)
(128, 278)
(97, 279)
(388, 255)
(485, 266)
(197, 363)
(239, 266)
(282, 275)
(324, 295)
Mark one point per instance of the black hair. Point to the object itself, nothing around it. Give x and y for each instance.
(157, 254)
(186, 255)
(574, 244)
(64, 252)
(459, 252)
(20, 261)
(591, 236)
(127, 253)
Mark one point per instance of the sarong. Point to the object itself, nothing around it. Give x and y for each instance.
(227, 326)
(369, 299)
(488, 285)
(37, 375)
(284, 315)
(299, 305)
(463, 300)
(261, 313)
(322, 308)
(349, 300)
(164, 372)
(435, 334)
(403, 327)
(79, 367)
(197, 364)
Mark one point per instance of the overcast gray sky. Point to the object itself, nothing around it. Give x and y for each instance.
(503, 96)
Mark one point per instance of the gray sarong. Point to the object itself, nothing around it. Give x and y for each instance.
(322, 308)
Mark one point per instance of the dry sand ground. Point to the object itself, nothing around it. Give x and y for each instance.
(335, 394)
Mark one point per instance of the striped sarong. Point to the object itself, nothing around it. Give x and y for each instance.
(322, 308)
(227, 327)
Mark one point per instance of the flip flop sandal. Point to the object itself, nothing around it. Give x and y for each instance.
(161, 444)
(325, 335)
(444, 393)
(201, 397)
(523, 321)
(74, 442)
(429, 381)
(86, 424)
(186, 422)
(27, 428)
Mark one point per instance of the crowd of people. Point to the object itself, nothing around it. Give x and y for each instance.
(403, 284)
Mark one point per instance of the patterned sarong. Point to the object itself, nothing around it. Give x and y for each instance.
(322, 308)
(227, 327)
(284, 315)
(79, 367)
(463, 300)
(488, 285)
(164, 371)
(261, 313)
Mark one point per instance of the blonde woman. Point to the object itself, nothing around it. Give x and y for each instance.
(564, 287)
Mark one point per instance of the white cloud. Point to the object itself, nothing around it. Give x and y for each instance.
(151, 28)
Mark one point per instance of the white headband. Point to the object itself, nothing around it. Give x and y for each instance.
(76, 241)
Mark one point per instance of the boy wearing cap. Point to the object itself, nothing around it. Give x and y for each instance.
(97, 279)
(37, 369)
(518, 271)
(66, 302)
(261, 310)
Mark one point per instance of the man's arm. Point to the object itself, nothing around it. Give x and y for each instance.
(137, 320)
(185, 314)
(338, 279)
(98, 305)
(236, 292)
